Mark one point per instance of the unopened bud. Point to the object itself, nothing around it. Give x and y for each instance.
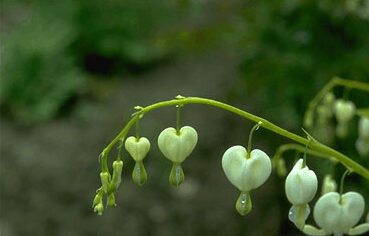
(97, 199)
(111, 200)
(105, 179)
(99, 208)
(329, 185)
(117, 174)
(329, 99)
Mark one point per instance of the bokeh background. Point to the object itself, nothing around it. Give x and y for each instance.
(72, 71)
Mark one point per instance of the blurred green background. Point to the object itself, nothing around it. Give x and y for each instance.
(71, 72)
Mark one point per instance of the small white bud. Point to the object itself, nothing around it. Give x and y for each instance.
(329, 99)
(344, 110)
(329, 185)
(301, 184)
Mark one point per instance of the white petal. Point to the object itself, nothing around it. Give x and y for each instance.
(177, 147)
(246, 173)
(332, 216)
(301, 184)
(137, 148)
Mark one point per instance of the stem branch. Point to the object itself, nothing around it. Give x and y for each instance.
(315, 146)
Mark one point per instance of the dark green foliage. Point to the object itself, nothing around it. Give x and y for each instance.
(46, 55)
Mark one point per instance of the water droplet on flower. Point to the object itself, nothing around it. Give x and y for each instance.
(243, 204)
(298, 214)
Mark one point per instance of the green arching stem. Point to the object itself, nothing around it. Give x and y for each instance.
(362, 112)
(137, 129)
(293, 146)
(309, 114)
(178, 125)
(306, 148)
(120, 147)
(342, 183)
(315, 146)
(255, 127)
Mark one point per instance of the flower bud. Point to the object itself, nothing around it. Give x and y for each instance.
(111, 200)
(362, 146)
(329, 185)
(97, 199)
(344, 110)
(105, 179)
(301, 184)
(324, 113)
(328, 99)
(117, 174)
(243, 172)
(99, 208)
(364, 128)
(137, 147)
(176, 176)
(139, 174)
(177, 146)
(337, 214)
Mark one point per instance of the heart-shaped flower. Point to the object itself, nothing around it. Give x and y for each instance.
(301, 184)
(337, 214)
(137, 147)
(177, 146)
(246, 173)
(344, 110)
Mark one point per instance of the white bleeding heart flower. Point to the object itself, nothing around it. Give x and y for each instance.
(177, 147)
(301, 184)
(337, 214)
(344, 110)
(137, 147)
(364, 127)
(246, 173)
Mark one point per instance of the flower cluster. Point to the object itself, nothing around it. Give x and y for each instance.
(247, 169)
(344, 112)
(175, 144)
(334, 213)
